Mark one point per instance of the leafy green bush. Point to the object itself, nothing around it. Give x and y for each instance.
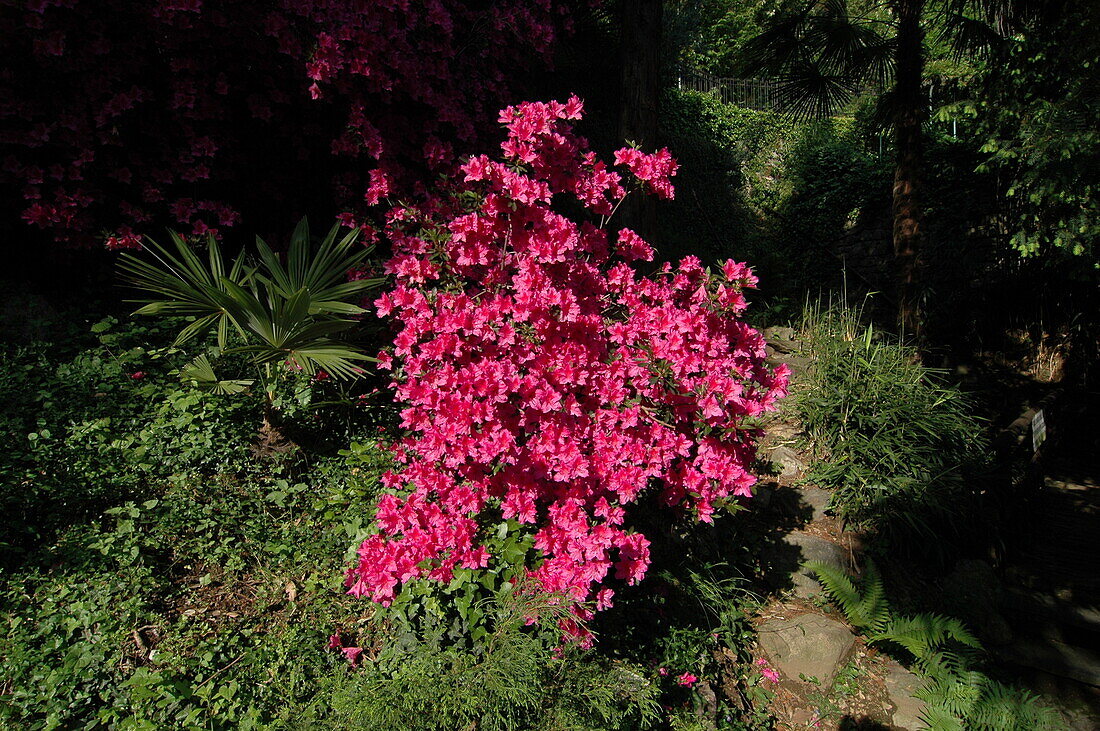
(761, 187)
(515, 680)
(153, 574)
(731, 165)
(900, 448)
(830, 182)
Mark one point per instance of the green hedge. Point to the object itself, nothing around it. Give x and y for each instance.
(765, 188)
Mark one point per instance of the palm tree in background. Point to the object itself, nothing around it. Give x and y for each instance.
(827, 51)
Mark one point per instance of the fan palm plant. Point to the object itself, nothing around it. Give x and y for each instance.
(294, 314)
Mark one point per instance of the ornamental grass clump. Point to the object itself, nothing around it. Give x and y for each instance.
(902, 450)
(548, 389)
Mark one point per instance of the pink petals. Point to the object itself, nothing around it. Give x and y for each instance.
(546, 382)
(767, 671)
(687, 680)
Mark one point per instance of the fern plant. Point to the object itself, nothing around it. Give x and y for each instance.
(957, 695)
(866, 606)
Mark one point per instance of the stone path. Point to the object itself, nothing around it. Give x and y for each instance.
(1043, 610)
(808, 647)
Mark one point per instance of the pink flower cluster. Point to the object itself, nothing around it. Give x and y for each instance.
(654, 170)
(767, 671)
(546, 382)
(198, 112)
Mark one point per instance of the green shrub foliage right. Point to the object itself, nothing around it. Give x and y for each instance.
(901, 449)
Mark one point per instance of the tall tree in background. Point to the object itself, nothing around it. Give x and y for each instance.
(908, 113)
(1039, 112)
(640, 23)
(827, 51)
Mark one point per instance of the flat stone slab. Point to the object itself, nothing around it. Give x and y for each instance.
(812, 548)
(791, 467)
(817, 499)
(779, 333)
(805, 504)
(799, 364)
(900, 687)
(810, 645)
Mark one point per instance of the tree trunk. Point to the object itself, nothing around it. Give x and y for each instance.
(641, 86)
(272, 440)
(908, 119)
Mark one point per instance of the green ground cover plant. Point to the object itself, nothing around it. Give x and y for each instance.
(154, 574)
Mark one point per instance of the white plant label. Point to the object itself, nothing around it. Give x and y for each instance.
(1038, 430)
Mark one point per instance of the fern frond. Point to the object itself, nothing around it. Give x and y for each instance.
(971, 700)
(1004, 708)
(956, 696)
(926, 634)
(866, 610)
(935, 717)
(874, 609)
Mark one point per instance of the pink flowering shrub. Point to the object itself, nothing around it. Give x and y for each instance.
(548, 388)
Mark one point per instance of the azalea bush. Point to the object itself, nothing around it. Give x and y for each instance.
(549, 390)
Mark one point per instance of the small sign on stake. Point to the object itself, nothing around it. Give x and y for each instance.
(1038, 430)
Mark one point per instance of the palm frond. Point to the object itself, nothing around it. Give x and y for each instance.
(201, 374)
(966, 35)
(283, 313)
(179, 283)
(822, 54)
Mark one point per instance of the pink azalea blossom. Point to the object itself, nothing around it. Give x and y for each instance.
(770, 674)
(687, 679)
(546, 381)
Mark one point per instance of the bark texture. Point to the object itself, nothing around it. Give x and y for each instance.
(641, 86)
(908, 121)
